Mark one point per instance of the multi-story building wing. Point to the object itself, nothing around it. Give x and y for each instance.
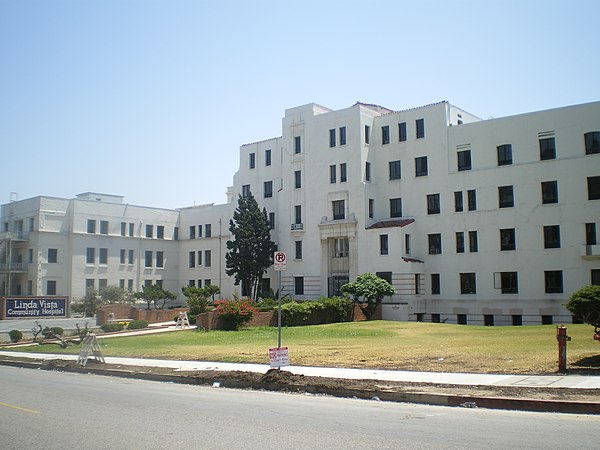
(472, 221)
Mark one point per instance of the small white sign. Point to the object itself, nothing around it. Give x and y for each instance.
(278, 357)
(280, 261)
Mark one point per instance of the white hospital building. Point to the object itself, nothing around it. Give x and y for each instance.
(473, 221)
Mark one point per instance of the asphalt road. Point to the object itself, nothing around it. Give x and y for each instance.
(53, 410)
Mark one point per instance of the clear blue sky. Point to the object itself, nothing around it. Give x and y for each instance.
(152, 99)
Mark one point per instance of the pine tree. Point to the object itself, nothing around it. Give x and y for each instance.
(251, 248)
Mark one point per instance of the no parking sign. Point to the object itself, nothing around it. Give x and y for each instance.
(280, 261)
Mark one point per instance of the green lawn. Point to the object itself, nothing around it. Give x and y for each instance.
(376, 344)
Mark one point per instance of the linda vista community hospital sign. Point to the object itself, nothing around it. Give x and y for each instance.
(34, 307)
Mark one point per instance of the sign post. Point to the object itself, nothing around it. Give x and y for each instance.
(280, 261)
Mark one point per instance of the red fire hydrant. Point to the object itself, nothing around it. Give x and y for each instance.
(562, 338)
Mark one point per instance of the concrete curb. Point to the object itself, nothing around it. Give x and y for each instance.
(557, 406)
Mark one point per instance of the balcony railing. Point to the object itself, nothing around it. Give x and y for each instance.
(14, 267)
(297, 226)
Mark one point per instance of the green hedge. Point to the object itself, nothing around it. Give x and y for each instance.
(137, 324)
(111, 327)
(313, 312)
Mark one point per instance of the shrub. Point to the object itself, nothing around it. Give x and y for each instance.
(234, 313)
(111, 327)
(324, 310)
(585, 305)
(338, 309)
(137, 324)
(48, 332)
(294, 314)
(267, 304)
(15, 335)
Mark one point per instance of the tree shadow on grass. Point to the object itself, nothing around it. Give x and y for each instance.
(586, 366)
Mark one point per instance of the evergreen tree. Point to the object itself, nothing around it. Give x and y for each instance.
(251, 248)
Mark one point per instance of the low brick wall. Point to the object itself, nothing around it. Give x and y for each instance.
(133, 313)
(357, 315)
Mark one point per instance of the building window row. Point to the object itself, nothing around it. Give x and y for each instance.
(333, 173)
(402, 131)
(197, 262)
(207, 231)
(333, 134)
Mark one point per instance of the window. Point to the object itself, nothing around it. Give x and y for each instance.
(395, 207)
(340, 247)
(191, 260)
(176, 233)
(332, 173)
(123, 228)
(460, 242)
(472, 200)
(435, 284)
(394, 169)
(517, 320)
(90, 255)
(421, 166)
(367, 171)
(271, 220)
(246, 191)
(553, 281)
(383, 244)
(192, 231)
(130, 257)
(122, 256)
(458, 201)
(595, 277)
(207, 258)
(505, 197)
(385, 135)
(298, 249)
(332, 138)
(342, 135)
(160, 232)
(51, 287)
(104, 227)
(504, 154)
(338, 210)
(30, 255)
(103, 256)
(507, 239)
(208, 281)
(367, 133)
(268, 157)
(590, 234)
(402, 131)
(297, 179)
(131, 229)
(268, 189)
(299, 285)
(464, 160)
(343, 173)
(89, 283)
(473, 244)
(461, 319)
(149, 231)
(420, 127)
(592, 142)
(199, 260)
(252, 160)
(199, 231)
(552, 236)
(549, 192)
(298, 214)
(488, 320)
(52, 255)
(433, 203)
(31, 223)
(160, 259)
(207, 230)
(130, 284)
(435, 244)
(509, 283)
(593, 188)
(547, 149)
(407, 244)
(467, 283)
(297, 144)
(91, 226)
(417, 283)
(148, 258)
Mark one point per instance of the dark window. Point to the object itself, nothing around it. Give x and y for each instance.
(52, 255)
(420, 126)
(176, 233)
(160, 232)
(435, 318)
(199, 261)
(150, 231)
(299, 285)
(90, 255)
(367, 133)
(298, 249)
(509, 283)
(458, 201)
(461, 319)
(367, 171)
(433, 203)
(402, 131)
(298, 214)
(387, 276)
(435, 284)
(547, 320)
(504, 154)
(271, 220)
(395, 170)
(332, 138)
(191, 260)
(252, 160)
(122, 256)
(435, 244)
(332, 173)
(517, 320)
(385, 135)
(383, 244)
(342, 135)
(130, 257)
(592, 142)
(51, 287)
(343, 173)
(268, 188)
(595, 277)
(467, 283)
(395, 207)
(338, 210)
(549, 192)
(505, 197)
(208, 230)
(268, 157)
(103, 256)
(593, 188)
(472, 200)
(91, 226)
(590, 234)
(552, 236)
(192, 232)
(460, 242)
(104, 227)
(207, 258)
(553, 281)
(297, 144)
(123, 228)
(547, 149)
(371, 208)
(297, 179)
(488, 320)
(507, 239)
(148, 258)
(199, 231)
(407, 244)
(131, 226)
(473, 244)
(421, 166)
(160, 259)
(246, 191)
(464, 160)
